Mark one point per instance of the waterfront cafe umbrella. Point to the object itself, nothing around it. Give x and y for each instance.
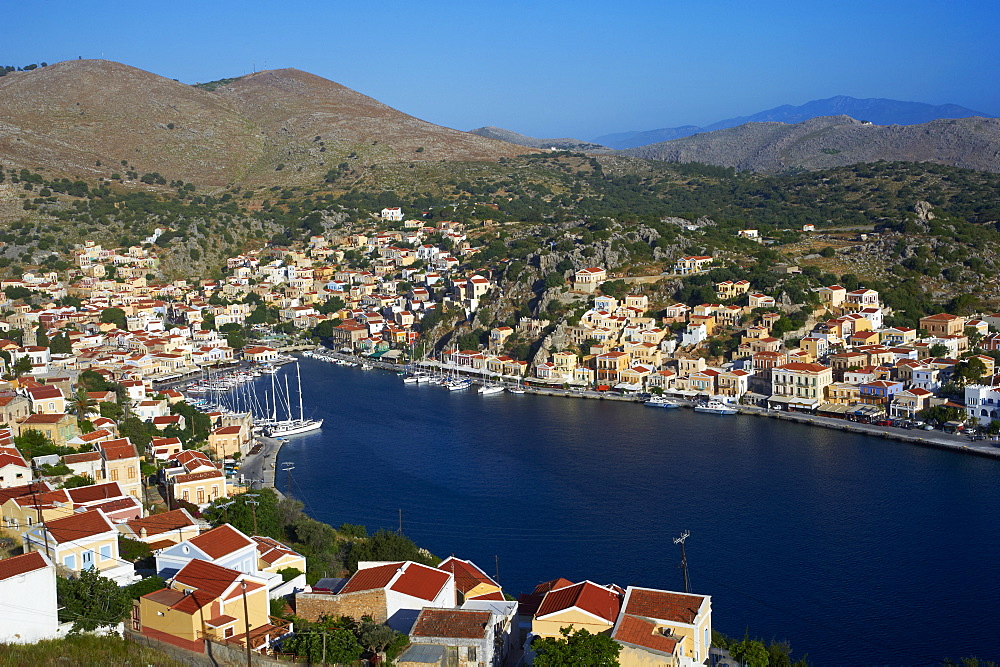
(625, 386)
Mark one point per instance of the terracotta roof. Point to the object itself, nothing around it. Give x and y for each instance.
(95, 436)
(420, 581)
(7, 459)
(664, 605)
(271, 550)
(467, 574)
(50, 418)
(451, 623)
(78, 526)
(371, 578)
(115, 450)
(29, 562)
(198, 476)
(117, 505)
(494, 595)
(94, 492)
(640, 632)
(221, 541)
(227, 430)
(210, 582)
(586, 596)
(162, 523)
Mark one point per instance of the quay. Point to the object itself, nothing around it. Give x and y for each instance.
(935, 439)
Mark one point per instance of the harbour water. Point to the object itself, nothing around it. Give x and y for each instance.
(857, 550)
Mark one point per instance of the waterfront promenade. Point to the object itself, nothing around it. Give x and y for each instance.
(938, 439)
(258, 469)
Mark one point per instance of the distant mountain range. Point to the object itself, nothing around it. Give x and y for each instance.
(523, 140)
(277, 127)
(832, 141)
(875, 110)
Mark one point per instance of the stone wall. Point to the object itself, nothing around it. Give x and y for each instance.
(311, 606)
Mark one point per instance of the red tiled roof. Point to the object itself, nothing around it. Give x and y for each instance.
(371, 578)
(221, 541)
(643, 633)
(82, 457)
(271, 550)
(29, 562)
(117, 505)
(115, 450)
(586, 596)
(49, 418)
(198, 476)
(495, 595)
(451, 623)
(420, 581)
(664, 605)
(94, 492)
(162, 523)
(12, 459)
(209, 580)
(78, 526)
(467, 575)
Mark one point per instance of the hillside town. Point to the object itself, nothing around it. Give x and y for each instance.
(105, 443)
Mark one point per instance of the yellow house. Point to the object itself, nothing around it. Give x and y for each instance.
(83, 541)
(583, 606)
(120, 463)
(470, 581)
(800, 384)
(228, 440)
(654, 622)
(207, 601)
(59, 428)
(161, 530)
(199, 488)
(843, 393)
(611, 364)
(564, 362)
(273, 556)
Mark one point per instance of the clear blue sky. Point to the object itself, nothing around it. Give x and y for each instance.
(548, 69)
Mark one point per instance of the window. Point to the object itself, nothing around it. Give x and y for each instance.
(114, 474)
(70, 561)
(472, 653)
(106, 552)
(131, 472)
(229, 632)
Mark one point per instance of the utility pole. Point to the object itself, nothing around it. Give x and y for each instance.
(401, 521)
(288, 468)
(41, 517)
(684, 561)
(253, 502)
(246, 623)
(497, 559)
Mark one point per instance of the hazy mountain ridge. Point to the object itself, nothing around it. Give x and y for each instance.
(564, 144)
(83, 117)
(820, 143)
(876, 110)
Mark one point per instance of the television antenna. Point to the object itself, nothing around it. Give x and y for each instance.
(684, 561)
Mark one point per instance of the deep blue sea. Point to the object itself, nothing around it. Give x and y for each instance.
(856, 550)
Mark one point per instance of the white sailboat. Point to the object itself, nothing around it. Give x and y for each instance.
(290, 426)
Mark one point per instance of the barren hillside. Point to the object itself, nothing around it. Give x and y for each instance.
(84, 117)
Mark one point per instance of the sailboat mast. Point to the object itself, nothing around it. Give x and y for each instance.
(302, 414)
(274, 401)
